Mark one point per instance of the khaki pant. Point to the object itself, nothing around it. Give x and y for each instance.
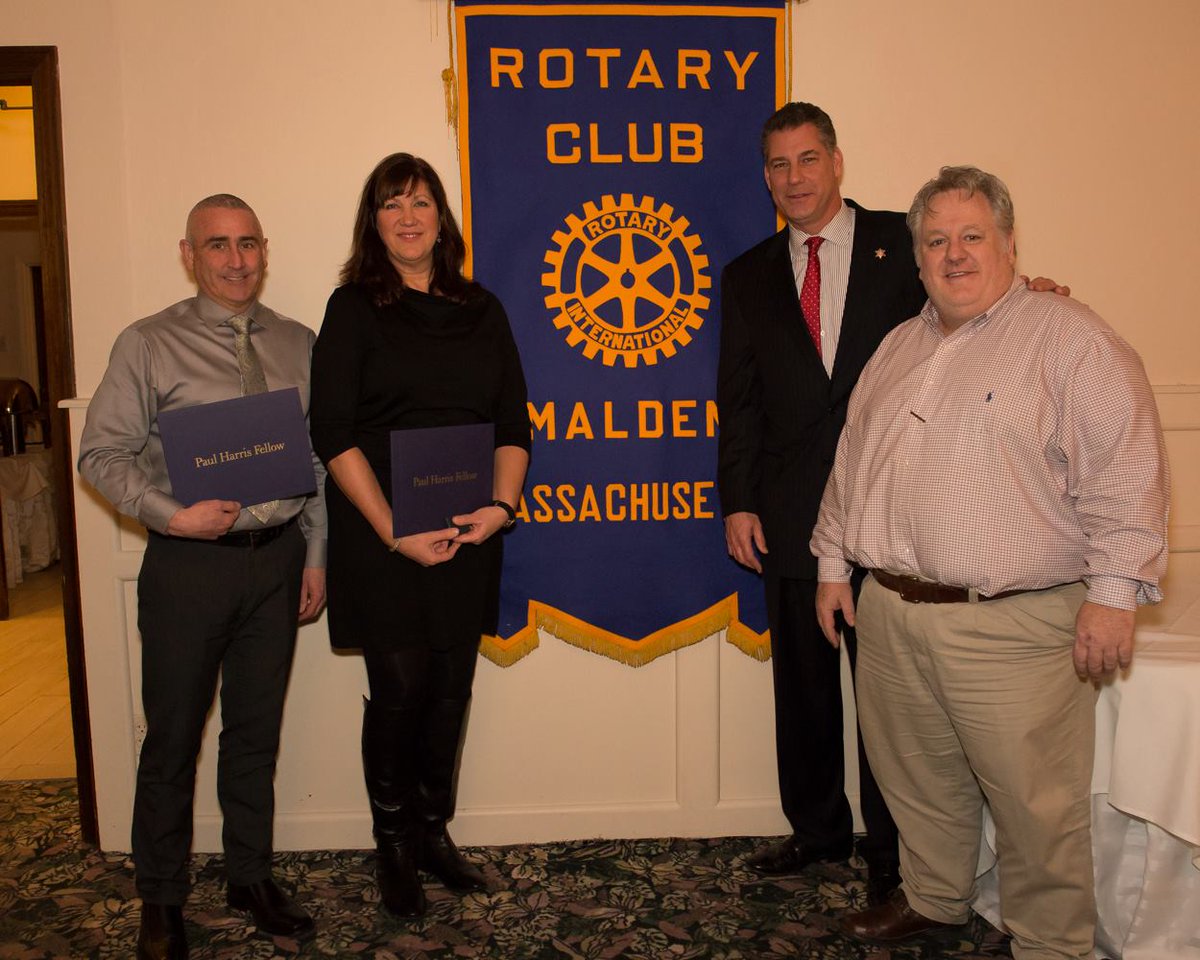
(965, 701)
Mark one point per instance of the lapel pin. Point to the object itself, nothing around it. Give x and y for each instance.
(880, 253)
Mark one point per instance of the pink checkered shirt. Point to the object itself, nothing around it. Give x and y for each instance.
(1022, 451)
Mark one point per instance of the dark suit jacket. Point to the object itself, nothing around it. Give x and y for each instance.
(780, 413)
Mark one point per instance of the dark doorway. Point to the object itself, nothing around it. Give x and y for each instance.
(37, 67)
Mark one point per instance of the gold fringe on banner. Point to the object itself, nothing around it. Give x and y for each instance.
(504, 653)
(722, 615)
(751, 643)
(449, 79)
(787, 54)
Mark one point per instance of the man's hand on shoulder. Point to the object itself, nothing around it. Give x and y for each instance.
(743, 537)
(831, 598)
(312, 593)
(205, 519)
(1046, 285)
(1103, 640)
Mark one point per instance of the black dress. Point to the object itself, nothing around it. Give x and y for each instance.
(422, 361)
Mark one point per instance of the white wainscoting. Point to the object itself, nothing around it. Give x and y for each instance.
(564, 744)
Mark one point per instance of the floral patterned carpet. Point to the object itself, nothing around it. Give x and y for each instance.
(666, 899)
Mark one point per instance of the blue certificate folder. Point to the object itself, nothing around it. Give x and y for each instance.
(249, 449)
(438, 472)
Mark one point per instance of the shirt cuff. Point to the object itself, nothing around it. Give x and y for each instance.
(833, 570)
(315, 557)
(1119, 592)
(157, 509)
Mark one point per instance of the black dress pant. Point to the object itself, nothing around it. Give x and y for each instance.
(809, 729)
(207, 610)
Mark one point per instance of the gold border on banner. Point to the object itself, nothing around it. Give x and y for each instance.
(722, 615)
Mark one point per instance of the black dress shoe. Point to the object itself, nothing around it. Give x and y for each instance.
(274, 912)
(891, 920)
(882, 879)
(789, 856)
(161, 936)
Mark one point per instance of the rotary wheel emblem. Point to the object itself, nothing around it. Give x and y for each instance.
(627, 280)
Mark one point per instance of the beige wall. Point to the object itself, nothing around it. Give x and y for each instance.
(1086, 108)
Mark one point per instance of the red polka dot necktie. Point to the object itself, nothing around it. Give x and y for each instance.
(810, 291)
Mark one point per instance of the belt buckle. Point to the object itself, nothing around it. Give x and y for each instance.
(265, 535)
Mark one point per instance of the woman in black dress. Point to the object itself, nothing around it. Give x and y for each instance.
(409, 342)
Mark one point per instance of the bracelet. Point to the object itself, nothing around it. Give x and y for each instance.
(507, 508)
(395, 547)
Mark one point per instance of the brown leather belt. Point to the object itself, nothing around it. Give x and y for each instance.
(915, 590)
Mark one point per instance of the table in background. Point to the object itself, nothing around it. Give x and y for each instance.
(29, 527)
(1146, 788)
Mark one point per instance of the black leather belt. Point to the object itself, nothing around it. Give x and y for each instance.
(915, 590)
(253, 538)
(243, 538)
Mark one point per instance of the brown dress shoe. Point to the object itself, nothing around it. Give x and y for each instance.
(892, 920)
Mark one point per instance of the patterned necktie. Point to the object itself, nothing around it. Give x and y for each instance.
(253, 381)
(810, 292)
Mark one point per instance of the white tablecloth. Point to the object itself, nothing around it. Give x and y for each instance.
(1146, 788)
(29, 528)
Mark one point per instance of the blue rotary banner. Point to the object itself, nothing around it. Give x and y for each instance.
(610, 164)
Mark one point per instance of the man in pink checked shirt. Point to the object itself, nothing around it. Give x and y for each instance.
(1002, 474)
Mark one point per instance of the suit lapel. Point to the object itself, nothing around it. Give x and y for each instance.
(784, 304)
(867, 272)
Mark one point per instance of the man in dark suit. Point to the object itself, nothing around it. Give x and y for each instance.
(784, 381)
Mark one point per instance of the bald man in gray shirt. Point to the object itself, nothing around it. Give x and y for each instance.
(222, 586)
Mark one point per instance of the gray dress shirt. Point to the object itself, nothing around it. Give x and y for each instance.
(180, 357)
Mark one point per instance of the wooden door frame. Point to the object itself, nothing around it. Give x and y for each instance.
(37, 67)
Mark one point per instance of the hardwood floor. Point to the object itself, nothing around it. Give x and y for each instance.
(35, 708)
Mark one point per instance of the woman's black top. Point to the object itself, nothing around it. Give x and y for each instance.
(422, 361)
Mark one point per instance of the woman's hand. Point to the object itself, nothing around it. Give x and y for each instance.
(509, 469)
(484, 522)
(428, 549)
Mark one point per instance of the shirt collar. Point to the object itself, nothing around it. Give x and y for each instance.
(212, 314)
(839, 230)
(933, 319)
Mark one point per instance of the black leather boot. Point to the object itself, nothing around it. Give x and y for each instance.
(437, 788)
(390, 770)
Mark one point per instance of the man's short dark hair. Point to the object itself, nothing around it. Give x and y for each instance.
(797, 114)
(223, 201)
